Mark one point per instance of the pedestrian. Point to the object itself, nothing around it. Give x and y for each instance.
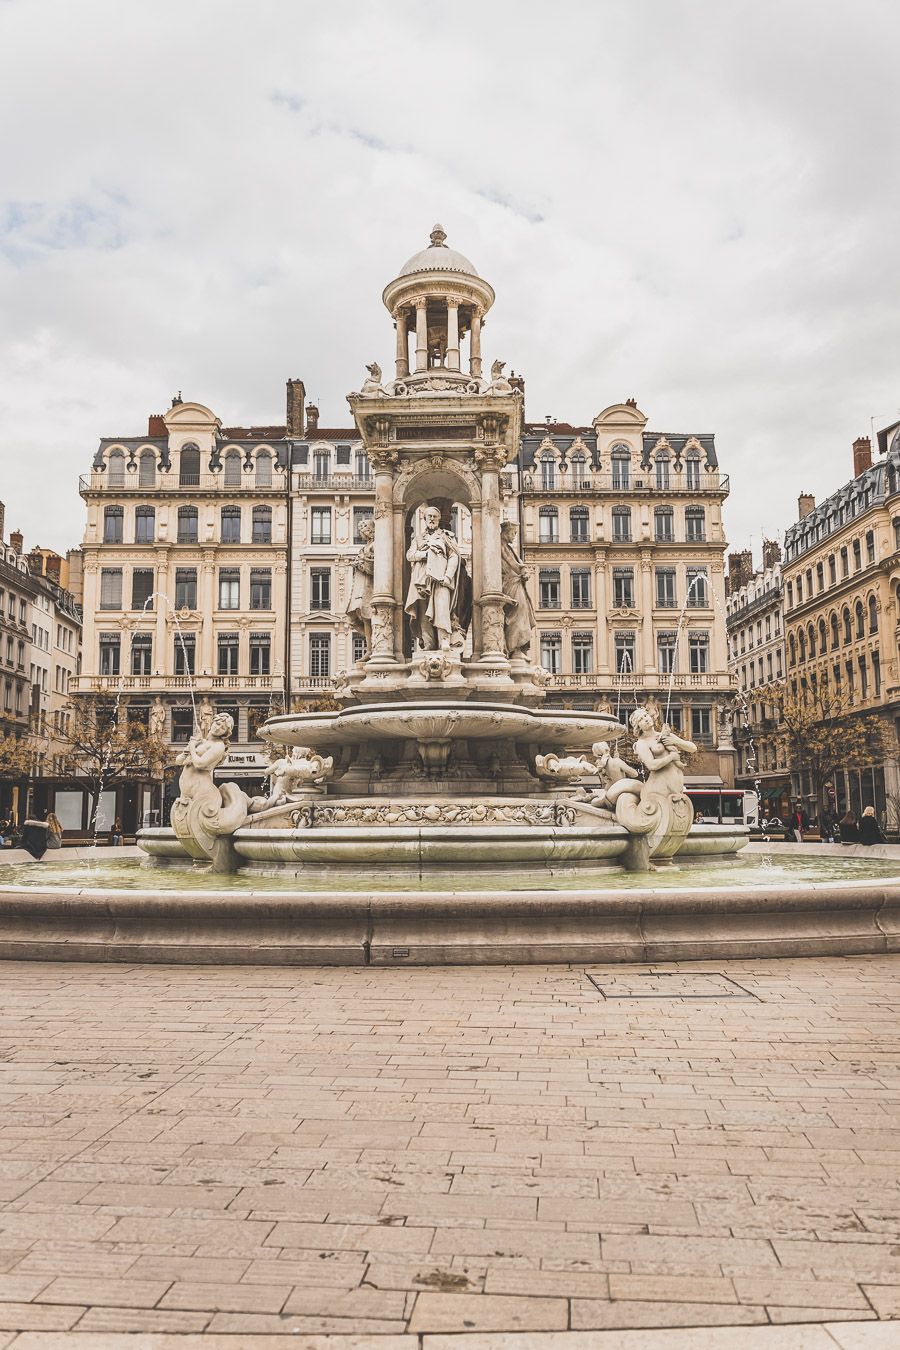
(115, 834)
(54, 830)
(797, 824)
(5, 832)
(828, 826)
(849, 830)
(869, 829)
(34, 838)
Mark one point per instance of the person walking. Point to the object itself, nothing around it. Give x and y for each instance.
(54, 830)
(869, 829)
(849, 830)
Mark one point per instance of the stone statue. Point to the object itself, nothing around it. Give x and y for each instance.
(359, 606)
(372, 383)
(563, 769)
(375, 371)
(659, 752)
(497, 383)
(204, 814)
(433, 601)
(518, 610)
(303, 769)
(615, 774)
(157, 719)
(662, 813)
(205, 714)
(497, 370)
(654, 710)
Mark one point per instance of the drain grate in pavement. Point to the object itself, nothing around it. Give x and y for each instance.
(668, 984)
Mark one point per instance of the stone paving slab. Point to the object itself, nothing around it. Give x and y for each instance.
(449, 1159)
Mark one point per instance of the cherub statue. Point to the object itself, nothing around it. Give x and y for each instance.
(616, 777)
(302, 768)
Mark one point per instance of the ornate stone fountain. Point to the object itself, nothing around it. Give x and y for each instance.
(443, 755)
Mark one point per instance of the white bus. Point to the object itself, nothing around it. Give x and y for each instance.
(725, 806)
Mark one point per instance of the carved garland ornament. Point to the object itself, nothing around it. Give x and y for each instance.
(433, 813)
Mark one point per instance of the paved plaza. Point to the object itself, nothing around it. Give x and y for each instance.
(547, 1157)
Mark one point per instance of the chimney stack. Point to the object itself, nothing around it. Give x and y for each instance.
(53, 566)
(296, 396)
(2, 521)
(862, 455)
(740, 569)
(312, 418)
(17, 541)
(771, 553)
(156, 427)
(806, 502)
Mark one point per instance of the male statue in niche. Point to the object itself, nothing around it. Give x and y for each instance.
(438, 587)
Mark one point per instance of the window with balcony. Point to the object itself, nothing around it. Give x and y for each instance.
(663, 475)
(113, 524)
(231, 469)
(231, 525)
(189, 466)
(621, 469)
(185, 653)
(701, 725)
(665, 588)
(186, 588)
(144, 525)
(665, 652)
(320, 521)
(583, 653)
(548, 525)
(188, 525)
(142, 654)
(580, 471)
(578, 525)
(110, 653)
(260, 588)
(229, 588)
(362, 467)
(548, 472)
(263, 469)
(695, 525)
(260, 654)
(663, 524)
(624, 644)
(551, 652)
(116, 469)
(228, 647)
(111, 588)
(623, 588)
(147, 469)
(692, 471)
(319, 655)
(697, 588)
(580, 578)
(621, 523)
(320, 588)
(698, 652)
(548, 588)
(142, 588)
(321, 465)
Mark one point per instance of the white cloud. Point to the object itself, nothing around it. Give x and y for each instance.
(693, 203)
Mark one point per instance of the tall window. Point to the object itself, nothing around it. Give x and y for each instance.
(578, 524)
(264, 469)
(551, 652)
(185, 653)
(845, 562)
(320, 588)
(548, 525)
(231, 476)
(583, 653)
(832, 571)
(229, 588)
(231, 524)
(662, 471)
(116, 468)
(188, 525)
(189, 466)
(548, 588)
(142, 654)
(142, 588)
(360, 513)
(319, 655)
(860, 619)
(321, 464)
(692, 471)
(359, 647)
(698, 652)
(548, 472)
(665, 588)
(857, 555)
(698, 588)
(362, 467)
(260, 588)
(147, 469)
(701, 725)
(228, 649)
(621, 522)
(111, 588)
(876, 674)
(581, 587)
(260, 654)
(579, 470)
(623, 588)
(320, 532)
(621, 466)
(663, 524)
(113, 521)
(182, 725)
(110, 648)
(870, 546)
(695, 524)
(185, 588)
(665, 652)
(144, 525)
(624, 650)
(262, 524)
(873, 614)
(835, 634)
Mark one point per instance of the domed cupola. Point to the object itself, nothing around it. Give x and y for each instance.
(438, 296)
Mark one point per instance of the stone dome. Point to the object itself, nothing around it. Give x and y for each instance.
(437, 258)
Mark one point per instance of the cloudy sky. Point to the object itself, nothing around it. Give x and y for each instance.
(693, 203)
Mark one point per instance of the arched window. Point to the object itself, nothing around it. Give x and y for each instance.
(231, 525)
(873, 614)
(580, 470)
(262, 525)
(823, 638)
(548, 471)
(792, 650)
(811, 637)
(147, 469)
(263, 469)
(232, 474)
(188, 526)
(692, 471)
(695, 524)
(144, 524)
(801, 643)
(835, 634)
(860, 619)
(189, 466)
(621, 466)
(548, 532)
(663, 479)
(116, 465)
(848, 630)
(113, 517)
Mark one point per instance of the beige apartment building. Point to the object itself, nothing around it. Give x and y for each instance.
(623, 530)
(841, 577)
(755, 623)
(185, 559)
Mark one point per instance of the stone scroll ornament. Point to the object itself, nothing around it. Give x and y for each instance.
(204, 813)
(659, 806)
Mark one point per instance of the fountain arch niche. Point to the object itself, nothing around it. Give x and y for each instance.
(443, 754)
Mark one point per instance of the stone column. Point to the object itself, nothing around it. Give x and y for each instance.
(475, 345)
(206, 605)
(384, 600)
(402, 361)
(421, 335)
(452, 335)
(647, 656)
(493, 645)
